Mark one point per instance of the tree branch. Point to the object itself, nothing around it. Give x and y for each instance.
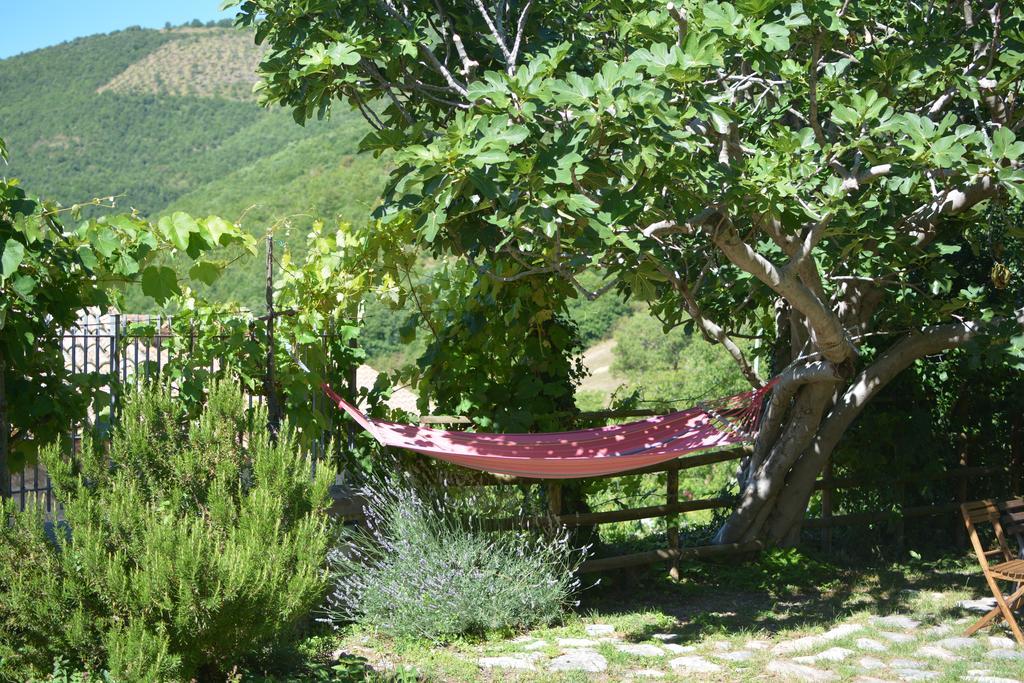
(499, 36)
(830, 337)
(709, 327)
(922, 221)
(520, 26)
(812, 92)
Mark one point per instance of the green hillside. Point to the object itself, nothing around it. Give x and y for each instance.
(165, 120)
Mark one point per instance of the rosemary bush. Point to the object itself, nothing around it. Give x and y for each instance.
(190, 548)
(422, 567)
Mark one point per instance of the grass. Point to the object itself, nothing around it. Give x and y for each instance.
(718, 607)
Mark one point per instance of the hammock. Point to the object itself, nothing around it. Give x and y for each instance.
(583, 453)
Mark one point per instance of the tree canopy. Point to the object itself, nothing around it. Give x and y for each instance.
(810, 174)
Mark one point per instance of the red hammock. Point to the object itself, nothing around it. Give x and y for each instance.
(583, 453)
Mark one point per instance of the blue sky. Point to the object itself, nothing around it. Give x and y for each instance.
(31, 24)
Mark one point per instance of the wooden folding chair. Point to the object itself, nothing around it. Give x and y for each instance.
(1013, 522)
(1009, 569)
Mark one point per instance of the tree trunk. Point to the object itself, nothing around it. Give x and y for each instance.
(811, 407)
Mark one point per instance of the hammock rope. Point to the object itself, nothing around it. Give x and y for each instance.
(614, 449)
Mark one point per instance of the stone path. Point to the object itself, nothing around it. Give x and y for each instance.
(864, 649)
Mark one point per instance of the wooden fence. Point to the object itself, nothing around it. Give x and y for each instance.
(350, 509)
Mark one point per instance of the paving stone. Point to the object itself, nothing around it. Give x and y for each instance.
(722, 645)
(666, 637)
(870, 679)
(1001, 653)
(640, 649)
(985, 677)
(808, 642)
(870, 663)
(648, 673)
(833, 654)
(897, 621)
(505, 663)
(522, 639)
(871, 644)
(757, 645)
(536, 645)
(940, 630)
(736, 655)
(1002, 642)
(895, 637)
(959, 643)
(980, 605)
(679, 649)
(908, 664)
(937, 652)
(579, 660)
(599, 629)
(792, 671)
(916, 675)
(576, 642)
(694, 664)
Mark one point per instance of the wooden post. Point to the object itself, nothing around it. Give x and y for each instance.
(1017, 456)
(5, 468)
(672, 521)
(826, 508)
(959, 530)
(901, 525)
(555, 498)
(269, 380)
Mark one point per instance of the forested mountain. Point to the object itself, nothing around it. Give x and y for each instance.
(166, 120)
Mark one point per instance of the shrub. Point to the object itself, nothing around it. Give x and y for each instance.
(188, 549)
(420, 567)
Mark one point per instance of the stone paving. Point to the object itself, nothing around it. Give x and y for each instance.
(863, 648)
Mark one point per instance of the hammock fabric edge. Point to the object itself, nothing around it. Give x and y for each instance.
(600, 451)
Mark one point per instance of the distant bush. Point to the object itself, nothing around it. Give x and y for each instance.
(673, 366)
(420, 568)
(596, 319)
(188, 549)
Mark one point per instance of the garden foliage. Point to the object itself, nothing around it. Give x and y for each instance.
(422, 568)
(51, 269)
(185, 550)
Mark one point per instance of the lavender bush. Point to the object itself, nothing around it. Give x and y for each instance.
(422, 567)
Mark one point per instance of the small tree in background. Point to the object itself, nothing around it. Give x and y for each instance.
(806, 171)
(194, 548)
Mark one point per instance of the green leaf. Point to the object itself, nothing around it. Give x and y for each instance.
(160, 282)
(88, 257)
(205, 271)
(218, 227)
(24, 285)
(721, 15)
(1004, 145)
(177, 228)
(776, 37)
(342, 54)
(720, 120)
(432, 225)
(490, 156)
(105, 241)
(14, 253)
